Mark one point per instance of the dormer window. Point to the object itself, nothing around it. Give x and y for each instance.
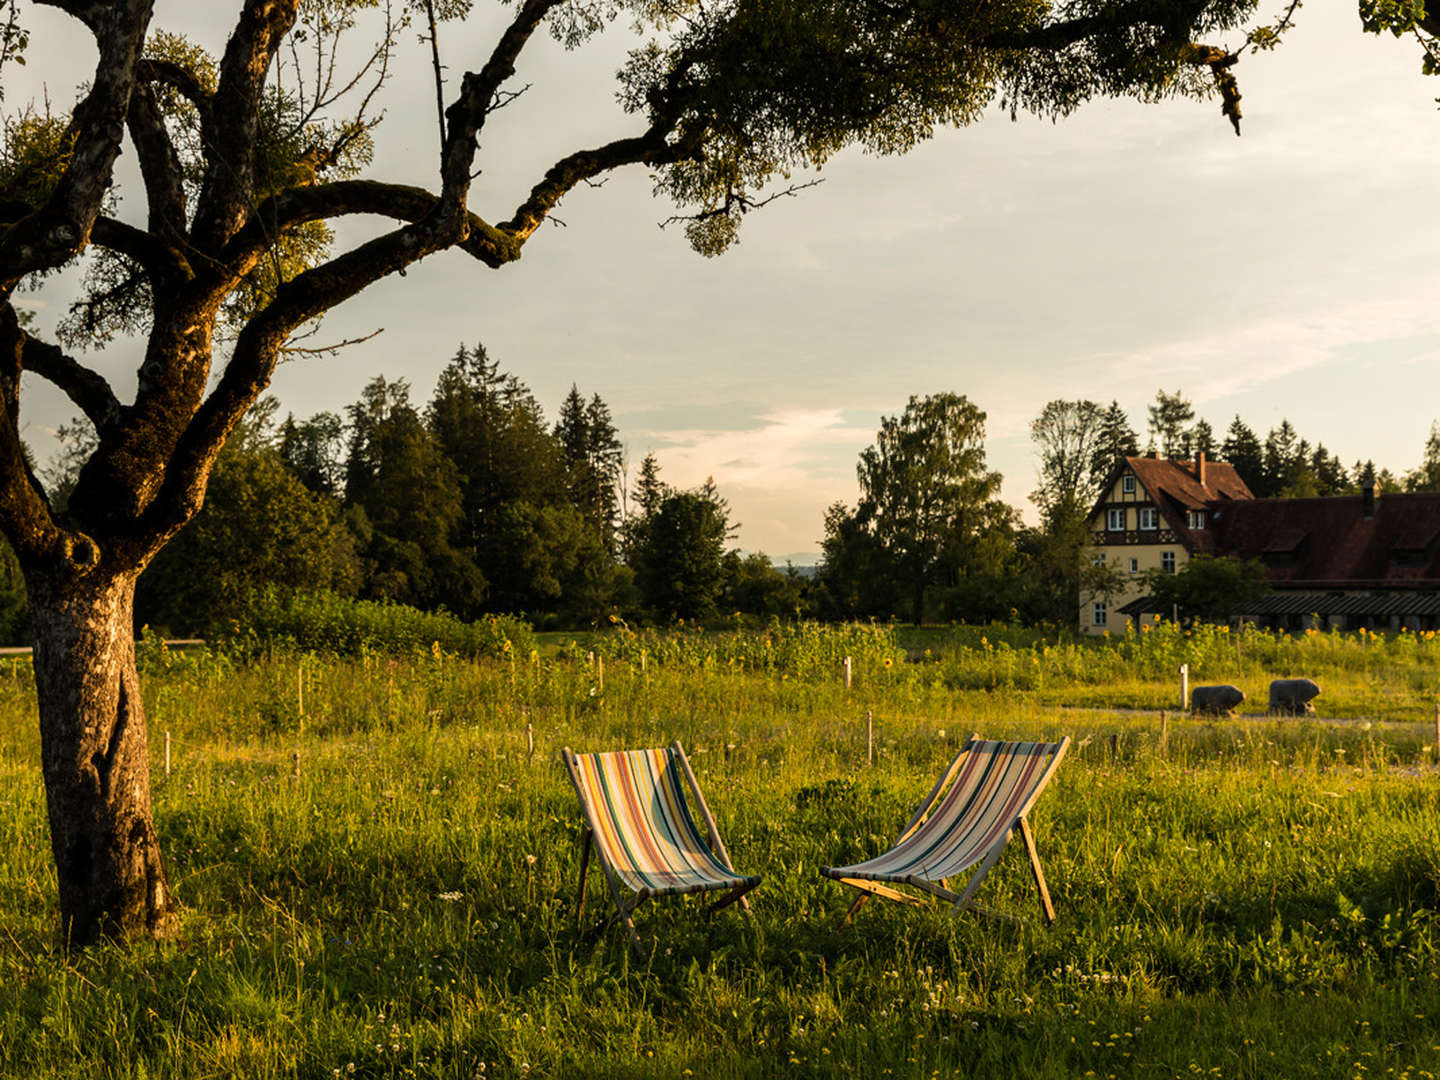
(1149, 518)
(1195, 519)
(1127, 485)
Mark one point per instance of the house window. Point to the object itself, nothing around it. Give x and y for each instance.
(1097, 615)
(1167, 561)
(1115, 520)
(1195, 519)
(1127, 485)
(1097, 559)
(1149, 518)
(1134, 566)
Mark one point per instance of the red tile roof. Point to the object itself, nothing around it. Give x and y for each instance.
(1175, 488)
(1333, 544)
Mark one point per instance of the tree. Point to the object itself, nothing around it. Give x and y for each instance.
(314, 450)
(1243, 451)
(399, 475)
(1426, 476)
(1202, 439)
(1168, 417)
(1117, 439)
(246, 157)
(680, 553)
(1067, 435)
(1209, 587)
(925, 488)
(260, 526)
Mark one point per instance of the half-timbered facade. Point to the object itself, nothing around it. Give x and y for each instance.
(1154, 513)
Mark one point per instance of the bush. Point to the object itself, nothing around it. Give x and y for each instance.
(326, 623)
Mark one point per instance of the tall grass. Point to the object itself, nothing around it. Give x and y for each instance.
(1245, 899)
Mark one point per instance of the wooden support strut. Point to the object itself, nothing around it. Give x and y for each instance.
(717, 844)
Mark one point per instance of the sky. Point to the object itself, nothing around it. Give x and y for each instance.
(1289, 273)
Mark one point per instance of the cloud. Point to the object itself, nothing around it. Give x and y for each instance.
(788, 451)
(1244, 358)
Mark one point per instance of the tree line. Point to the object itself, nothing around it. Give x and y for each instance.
(474, 502)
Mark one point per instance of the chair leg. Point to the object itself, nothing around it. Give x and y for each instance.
(856, 906)
(585, 842)
(1045, 905)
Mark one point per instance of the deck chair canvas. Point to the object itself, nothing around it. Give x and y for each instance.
(638, 820)
(967, 819)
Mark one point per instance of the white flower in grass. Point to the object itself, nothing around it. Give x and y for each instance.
(450, 897)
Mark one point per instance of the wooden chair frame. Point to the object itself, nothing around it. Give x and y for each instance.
(624, 911)
(965, 899)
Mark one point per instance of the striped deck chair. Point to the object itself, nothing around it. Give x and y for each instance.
(639, 822)
(968, 818)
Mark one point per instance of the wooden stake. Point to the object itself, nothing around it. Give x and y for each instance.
(167, 753)
(600, 672)
(869, 737)
(1184, 687)
(847, 672)
(529, 741)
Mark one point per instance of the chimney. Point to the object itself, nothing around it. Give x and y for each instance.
(1367, 500)
(1200, 467)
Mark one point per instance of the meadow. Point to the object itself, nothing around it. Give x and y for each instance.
(378, 872)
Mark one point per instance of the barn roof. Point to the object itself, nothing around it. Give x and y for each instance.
(1333, 542)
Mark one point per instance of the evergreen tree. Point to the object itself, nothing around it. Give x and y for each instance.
(1426, 476)
(1242, 450)
(1117, 439)
(1330, 475)
(1202, 440)
(409, 490)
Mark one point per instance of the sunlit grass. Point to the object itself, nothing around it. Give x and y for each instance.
(1246, 897)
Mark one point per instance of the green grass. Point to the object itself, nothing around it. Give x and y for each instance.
(1255, 899)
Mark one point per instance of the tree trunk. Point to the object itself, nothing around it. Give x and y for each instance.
(95, 757)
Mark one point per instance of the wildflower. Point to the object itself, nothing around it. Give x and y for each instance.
(435, 649)
(886, 662)
(449, 898)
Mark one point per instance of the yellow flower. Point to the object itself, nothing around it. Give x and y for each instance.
(886, 662)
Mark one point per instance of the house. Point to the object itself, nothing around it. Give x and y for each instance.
(1340, 562)
(1154, 513)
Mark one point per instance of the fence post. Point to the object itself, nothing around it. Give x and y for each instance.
(529, 741)
(847, 672)
(869, 735)
(167, 753)
(1184, 687)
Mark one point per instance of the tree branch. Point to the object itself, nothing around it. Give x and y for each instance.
(649, 148)
(401, 202)
(159, 164)
(183, 81)
(54, 233)
(82, 385)
(229, 182)
(24, 511)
